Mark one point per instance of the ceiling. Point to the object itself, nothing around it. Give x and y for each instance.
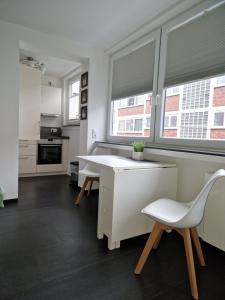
(55, 67)
(97, 23)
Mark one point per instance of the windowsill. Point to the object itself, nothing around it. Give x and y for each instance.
(170, 149)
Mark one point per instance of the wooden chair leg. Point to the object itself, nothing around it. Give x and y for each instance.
(196, 242)
(158, 239)
(148, 247)
(79, 197)
(190, 262)
(89, 190)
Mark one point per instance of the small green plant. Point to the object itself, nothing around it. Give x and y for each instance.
(138, 147)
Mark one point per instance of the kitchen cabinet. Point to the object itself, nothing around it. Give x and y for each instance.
(29, 103)
(27, 157)
(51, 100)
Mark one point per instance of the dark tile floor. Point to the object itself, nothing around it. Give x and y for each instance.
(49, 250)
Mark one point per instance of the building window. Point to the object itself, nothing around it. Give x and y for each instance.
(138, 124)
(196, 94)
(73, 104)
(170, 121)
(194, 125)
(172, 91)
(121, 125)
(219, 119)
(148, 122)
(128, 116)
(220, 81)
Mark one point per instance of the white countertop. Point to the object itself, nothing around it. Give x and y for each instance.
(120, 162)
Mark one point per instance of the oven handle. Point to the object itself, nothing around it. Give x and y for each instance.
(55, 145)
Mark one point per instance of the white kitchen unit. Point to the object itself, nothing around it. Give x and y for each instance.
(127, 186)
(27, 157)
(29, 103)
(213, 224)
(51, 100)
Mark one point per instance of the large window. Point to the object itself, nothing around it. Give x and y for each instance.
(182, 101)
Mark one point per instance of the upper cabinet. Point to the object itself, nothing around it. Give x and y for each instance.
(51, 100)
(29, 103)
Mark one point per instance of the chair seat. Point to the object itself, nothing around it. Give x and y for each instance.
(166, 211)
(89, 173)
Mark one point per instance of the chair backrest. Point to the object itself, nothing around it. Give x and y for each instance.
(197, 206)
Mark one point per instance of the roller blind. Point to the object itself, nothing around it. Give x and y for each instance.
(197, 49)
(133, 73)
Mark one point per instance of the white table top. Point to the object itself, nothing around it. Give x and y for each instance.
(120, 162)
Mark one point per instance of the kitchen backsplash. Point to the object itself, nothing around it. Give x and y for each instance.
(46, 132)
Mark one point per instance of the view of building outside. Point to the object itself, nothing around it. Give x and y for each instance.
(194, 110)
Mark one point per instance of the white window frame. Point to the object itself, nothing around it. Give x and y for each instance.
(169, 115)
(219, 109)
(159, 139)
(154, 36)
(76, 75)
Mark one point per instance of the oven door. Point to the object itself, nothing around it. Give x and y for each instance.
(49, 154)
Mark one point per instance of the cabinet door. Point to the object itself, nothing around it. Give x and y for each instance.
(27, 164)
(214, 220)
(29, 103)
(50, 100)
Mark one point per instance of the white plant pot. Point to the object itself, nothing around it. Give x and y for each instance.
(138, 155)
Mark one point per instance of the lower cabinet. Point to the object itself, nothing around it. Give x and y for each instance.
(27, 157)
(27, 164)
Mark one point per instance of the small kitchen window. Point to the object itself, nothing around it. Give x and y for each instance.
(73, 100)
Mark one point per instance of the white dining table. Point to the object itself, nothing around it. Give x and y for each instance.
(126, 186)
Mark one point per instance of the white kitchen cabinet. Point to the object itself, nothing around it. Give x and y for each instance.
(27, 157)
(29, 103)
(51, 100)
(213, 225)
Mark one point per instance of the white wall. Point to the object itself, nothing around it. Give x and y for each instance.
(74, 142)
(56, 82)
(9, 114)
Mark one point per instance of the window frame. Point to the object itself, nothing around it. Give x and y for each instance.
(153, 36)
(75, 76)
(159, 139)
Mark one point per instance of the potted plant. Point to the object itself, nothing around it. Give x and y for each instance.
(138, 149)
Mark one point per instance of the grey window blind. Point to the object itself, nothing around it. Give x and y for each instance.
(197, 49)
(133, 73)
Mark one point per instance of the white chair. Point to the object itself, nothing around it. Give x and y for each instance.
(183, 217)
(90, 175)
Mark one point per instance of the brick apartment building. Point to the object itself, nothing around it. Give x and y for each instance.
(195, 111)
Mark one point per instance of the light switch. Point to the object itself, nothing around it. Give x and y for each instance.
(94, 133)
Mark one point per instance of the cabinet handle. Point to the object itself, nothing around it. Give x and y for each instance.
(23, 146)
(24, 157)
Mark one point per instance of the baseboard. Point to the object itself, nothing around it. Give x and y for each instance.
(9, 201)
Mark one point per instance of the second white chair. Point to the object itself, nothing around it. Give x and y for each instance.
(90, 175)
(183, 217)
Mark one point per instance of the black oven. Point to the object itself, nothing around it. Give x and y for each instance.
(49, 153)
